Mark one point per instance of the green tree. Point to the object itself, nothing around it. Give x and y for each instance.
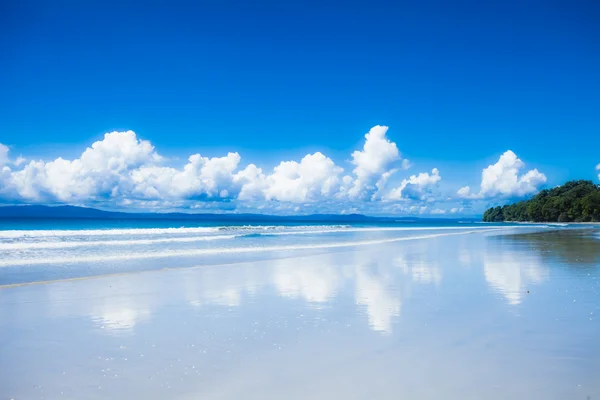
(574, 201)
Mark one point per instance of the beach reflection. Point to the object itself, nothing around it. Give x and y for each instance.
(578, 249)
(377, 291)
(513, 272)
(514, 264)
(312, 279)
(379, 282)
(389, 319)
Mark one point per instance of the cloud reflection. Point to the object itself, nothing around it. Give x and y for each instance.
(376, 293)
(313, 280)
(511, 272)
(119, 318)
(379, 280)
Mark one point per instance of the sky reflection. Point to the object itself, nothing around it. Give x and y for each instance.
(397, 316)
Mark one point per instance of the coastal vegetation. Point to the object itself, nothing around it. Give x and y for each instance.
(575, 201)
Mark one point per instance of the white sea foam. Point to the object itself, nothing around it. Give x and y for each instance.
(14, 234)
(92, 243)
(386, 229)
(225, 250)
(272, 230)
(29, 245)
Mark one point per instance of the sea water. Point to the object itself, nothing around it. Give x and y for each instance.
(61, 249)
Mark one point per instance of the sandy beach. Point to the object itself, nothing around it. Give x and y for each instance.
(475, 316)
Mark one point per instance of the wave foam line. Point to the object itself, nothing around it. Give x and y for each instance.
(66, 245)
(225, 250)
(14, 234)
(390, 229)
(101, 232)
(270, 230)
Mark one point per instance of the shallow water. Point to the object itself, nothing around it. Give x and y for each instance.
(466, 314)
(61, 250)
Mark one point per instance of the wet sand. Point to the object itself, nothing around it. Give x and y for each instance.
(480, 316)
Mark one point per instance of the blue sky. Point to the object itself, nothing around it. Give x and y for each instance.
(457, 84)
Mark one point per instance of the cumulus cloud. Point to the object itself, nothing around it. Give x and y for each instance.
(252, 183)
(598, 169)
(200, 178)
(123, 170)
(314, 177)
(375, 163)
(416, 186)
(503, 180)
(19, 161)
(464, 192)
(101, 171)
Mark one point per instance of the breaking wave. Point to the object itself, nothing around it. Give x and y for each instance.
(223, 250)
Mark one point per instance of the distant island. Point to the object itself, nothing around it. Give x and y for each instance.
(575, 201)
(73, 212)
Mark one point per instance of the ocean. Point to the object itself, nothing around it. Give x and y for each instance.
(50, 249)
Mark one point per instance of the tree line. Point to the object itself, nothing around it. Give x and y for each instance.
(575, 201)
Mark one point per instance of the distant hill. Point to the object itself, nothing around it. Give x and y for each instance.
(65, 212)
(73, 212)
(575, 201)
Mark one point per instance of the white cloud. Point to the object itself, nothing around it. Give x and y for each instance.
(382, 183)
(314, 177)
(464, 192)
(502, 179)
(201, 177)
(252, 182)
(128, 169)
(598, 169)
(122, 170)
(416, 186)
(101, 171)
(378, 156)
(20, 161)
(438, 211)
